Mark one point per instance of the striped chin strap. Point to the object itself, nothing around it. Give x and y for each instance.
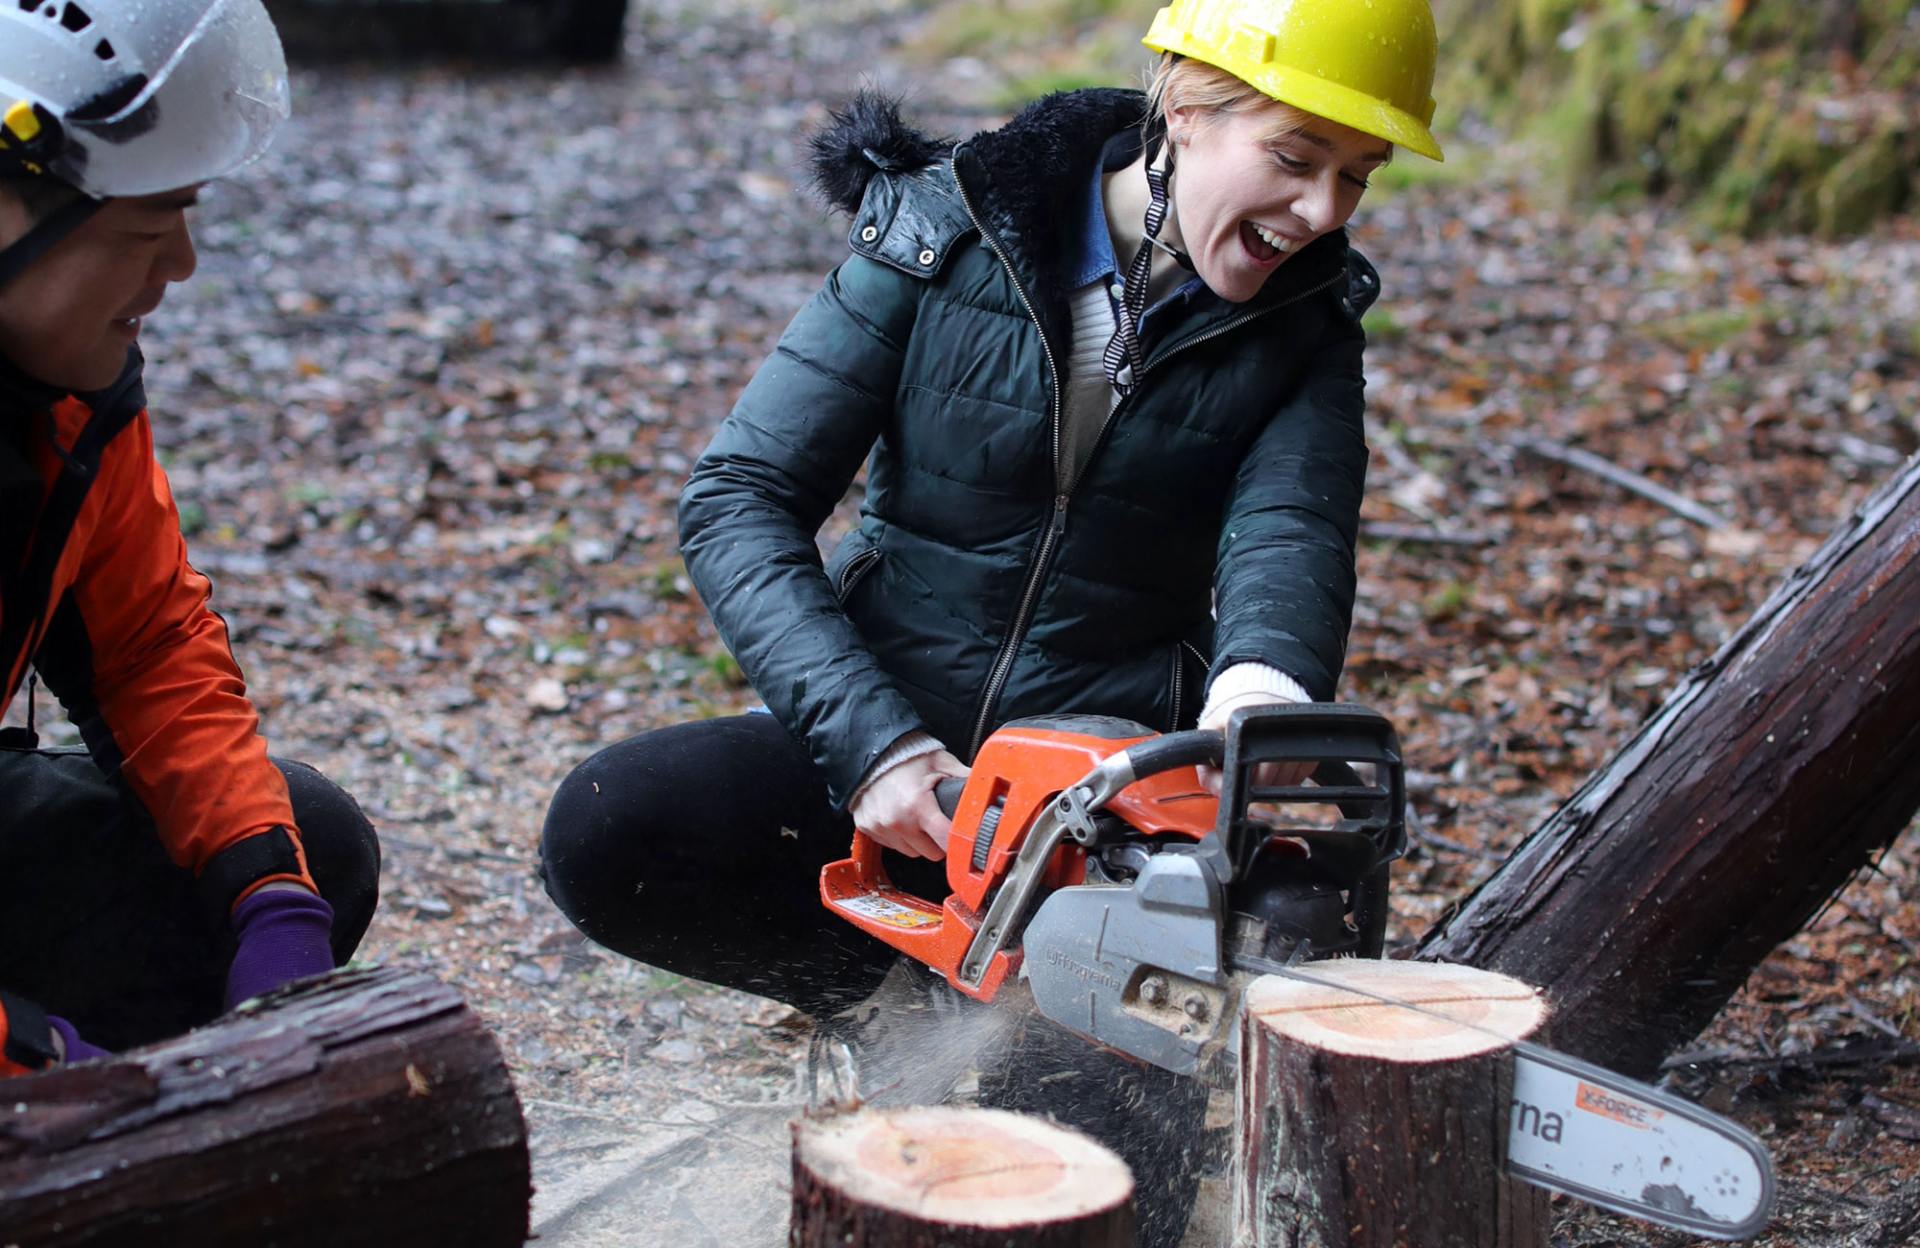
(1122, 359)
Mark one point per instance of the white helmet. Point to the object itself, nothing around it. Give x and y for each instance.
(134, 97)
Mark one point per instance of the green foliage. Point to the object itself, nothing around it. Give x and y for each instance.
(1765, 114)
(725, 669)
(1039, 46)
(1710, 328)
(1446, 602)
(668, 579)
(1380, 325)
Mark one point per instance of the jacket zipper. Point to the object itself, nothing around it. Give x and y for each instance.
(1037, 570)
(1180, 651)
(1173, 717)
(855, 569)
(1003, 661)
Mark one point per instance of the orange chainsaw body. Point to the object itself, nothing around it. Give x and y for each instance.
(1020, 769)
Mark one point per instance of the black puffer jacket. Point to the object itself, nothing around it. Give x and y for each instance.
(977, 589)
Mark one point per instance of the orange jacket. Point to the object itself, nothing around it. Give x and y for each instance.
(97, 595)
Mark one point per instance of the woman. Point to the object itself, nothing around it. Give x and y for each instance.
(1106, 362)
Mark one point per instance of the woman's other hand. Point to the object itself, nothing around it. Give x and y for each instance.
(897, 807)
(1252, 684)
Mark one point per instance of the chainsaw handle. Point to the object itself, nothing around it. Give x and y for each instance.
(947, 794)
(1199, 747)
(1177, 749)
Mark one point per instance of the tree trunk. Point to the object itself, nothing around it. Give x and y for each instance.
(1365, 1125)
(917, 1177)
(1775, 772)
(366, 1107)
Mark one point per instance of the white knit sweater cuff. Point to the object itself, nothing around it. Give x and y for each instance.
(1243, 681)
(904, 749)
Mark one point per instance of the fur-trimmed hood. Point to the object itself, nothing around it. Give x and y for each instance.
(1028, 179)
(866, 137)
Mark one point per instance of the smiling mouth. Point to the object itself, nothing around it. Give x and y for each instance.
(1264, 245)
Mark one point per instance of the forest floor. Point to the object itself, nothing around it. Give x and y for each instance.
(454, 345)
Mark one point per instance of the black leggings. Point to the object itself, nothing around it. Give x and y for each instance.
(697, 848)
(99, 926)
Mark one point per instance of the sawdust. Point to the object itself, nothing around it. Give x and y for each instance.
(930, 1049)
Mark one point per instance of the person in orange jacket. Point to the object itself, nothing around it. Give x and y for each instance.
(171, 869)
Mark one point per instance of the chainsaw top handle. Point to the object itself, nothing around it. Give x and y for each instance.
(1331, 738)
(1163, 753)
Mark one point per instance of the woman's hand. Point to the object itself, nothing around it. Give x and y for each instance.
(1266, 775)
(897, 807)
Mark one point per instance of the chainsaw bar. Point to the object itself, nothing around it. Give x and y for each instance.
(1610, 1140)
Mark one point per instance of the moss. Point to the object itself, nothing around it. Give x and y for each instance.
(1727, 107)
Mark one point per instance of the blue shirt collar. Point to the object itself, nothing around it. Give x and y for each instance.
(1096, 261)
(1096, 243)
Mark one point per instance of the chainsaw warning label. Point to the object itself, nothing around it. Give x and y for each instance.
(892, 913)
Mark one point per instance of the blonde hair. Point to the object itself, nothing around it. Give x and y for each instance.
(1182, 82)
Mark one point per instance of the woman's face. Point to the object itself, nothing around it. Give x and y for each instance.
(1248, 195)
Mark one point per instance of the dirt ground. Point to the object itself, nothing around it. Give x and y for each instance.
(454, 345)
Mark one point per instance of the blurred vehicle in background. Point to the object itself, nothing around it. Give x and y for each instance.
(580, 31)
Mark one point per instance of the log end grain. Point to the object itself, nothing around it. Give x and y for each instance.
(1463, 1012)
(955, 1168)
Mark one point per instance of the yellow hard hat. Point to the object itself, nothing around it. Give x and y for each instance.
(1364, 63)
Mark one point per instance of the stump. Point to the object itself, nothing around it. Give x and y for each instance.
(918, 1176)
(365, 1107)
(1367, 1125)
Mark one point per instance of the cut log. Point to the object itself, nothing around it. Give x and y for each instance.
(366, 1107)
(919, 1176)
(1368, 1125)
(1776, 771)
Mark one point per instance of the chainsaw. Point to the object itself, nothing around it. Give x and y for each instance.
(1092, 874)
(1090, 867)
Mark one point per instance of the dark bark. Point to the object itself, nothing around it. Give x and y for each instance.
(367, 1107)
(1366, 1126)
(1774, 773)
(943, 1177)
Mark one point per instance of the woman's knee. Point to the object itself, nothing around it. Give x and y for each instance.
(342, 850)
(594, 838)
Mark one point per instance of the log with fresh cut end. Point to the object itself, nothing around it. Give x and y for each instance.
(958, 1177)
(1370, 1125)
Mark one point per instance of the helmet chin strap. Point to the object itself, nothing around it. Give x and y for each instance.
(1123, 358)
(1160, 201)
(44, 236)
